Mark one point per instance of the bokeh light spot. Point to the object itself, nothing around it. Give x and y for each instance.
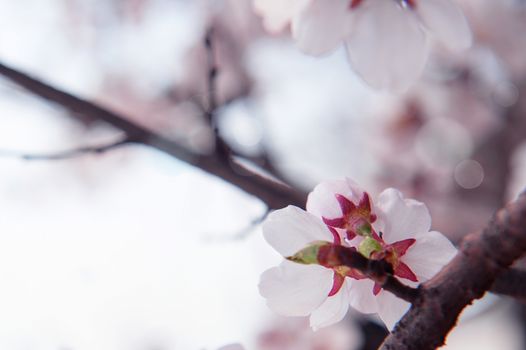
(469, 174)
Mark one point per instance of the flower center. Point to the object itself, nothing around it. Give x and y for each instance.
(375, 248)
(355, 219)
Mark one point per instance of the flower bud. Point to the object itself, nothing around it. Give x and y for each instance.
(310, 254)
(369, 246)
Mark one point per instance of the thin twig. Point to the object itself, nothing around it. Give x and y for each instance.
(210, 110)
(67, 154)
(211, 78)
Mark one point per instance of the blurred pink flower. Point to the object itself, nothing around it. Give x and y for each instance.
(387, 41)
(339, 212)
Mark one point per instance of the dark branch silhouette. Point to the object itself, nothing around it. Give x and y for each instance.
(481, 259)
(274, 194)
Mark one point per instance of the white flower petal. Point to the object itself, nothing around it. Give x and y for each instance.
(431, 251)
(388, 47)
(446, 21)
(295, 290)
(321, 26)
(332, 310)
(362, 297)
(277, 14)
(401, 218)
(322, 200)
(291, 229)
(391, 308)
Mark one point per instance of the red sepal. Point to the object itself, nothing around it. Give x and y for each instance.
(403, 271)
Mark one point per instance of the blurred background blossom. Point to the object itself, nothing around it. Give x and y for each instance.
(132, 249)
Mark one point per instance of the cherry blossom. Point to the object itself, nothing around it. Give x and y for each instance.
(387, 41)
(340, 213)
(294, 289)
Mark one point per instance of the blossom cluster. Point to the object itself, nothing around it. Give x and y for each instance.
(387, 41)
(339, 212)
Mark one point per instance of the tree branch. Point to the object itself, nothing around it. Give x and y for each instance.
(512, 283)
(480, 260)
(262, 160)
(68, 153)
(275, 195)
(379, 271)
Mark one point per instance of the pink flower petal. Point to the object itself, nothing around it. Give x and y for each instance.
(446, 21)
(431, 252)
(332, 310)
(291, 229)
(388, 47)
(401, 218)
(321, 26)
(295, 290)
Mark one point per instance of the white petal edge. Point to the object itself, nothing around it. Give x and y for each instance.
(291, 229)
(295, 290)
(333, 310)
(322, 201)
(430, 253)
(320, 27)
(446, 21)
(388, 47)
(401, 218)
(391, 308)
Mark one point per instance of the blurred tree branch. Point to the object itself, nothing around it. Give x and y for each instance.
(273, 193)
(263, 159)
(67, 154)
